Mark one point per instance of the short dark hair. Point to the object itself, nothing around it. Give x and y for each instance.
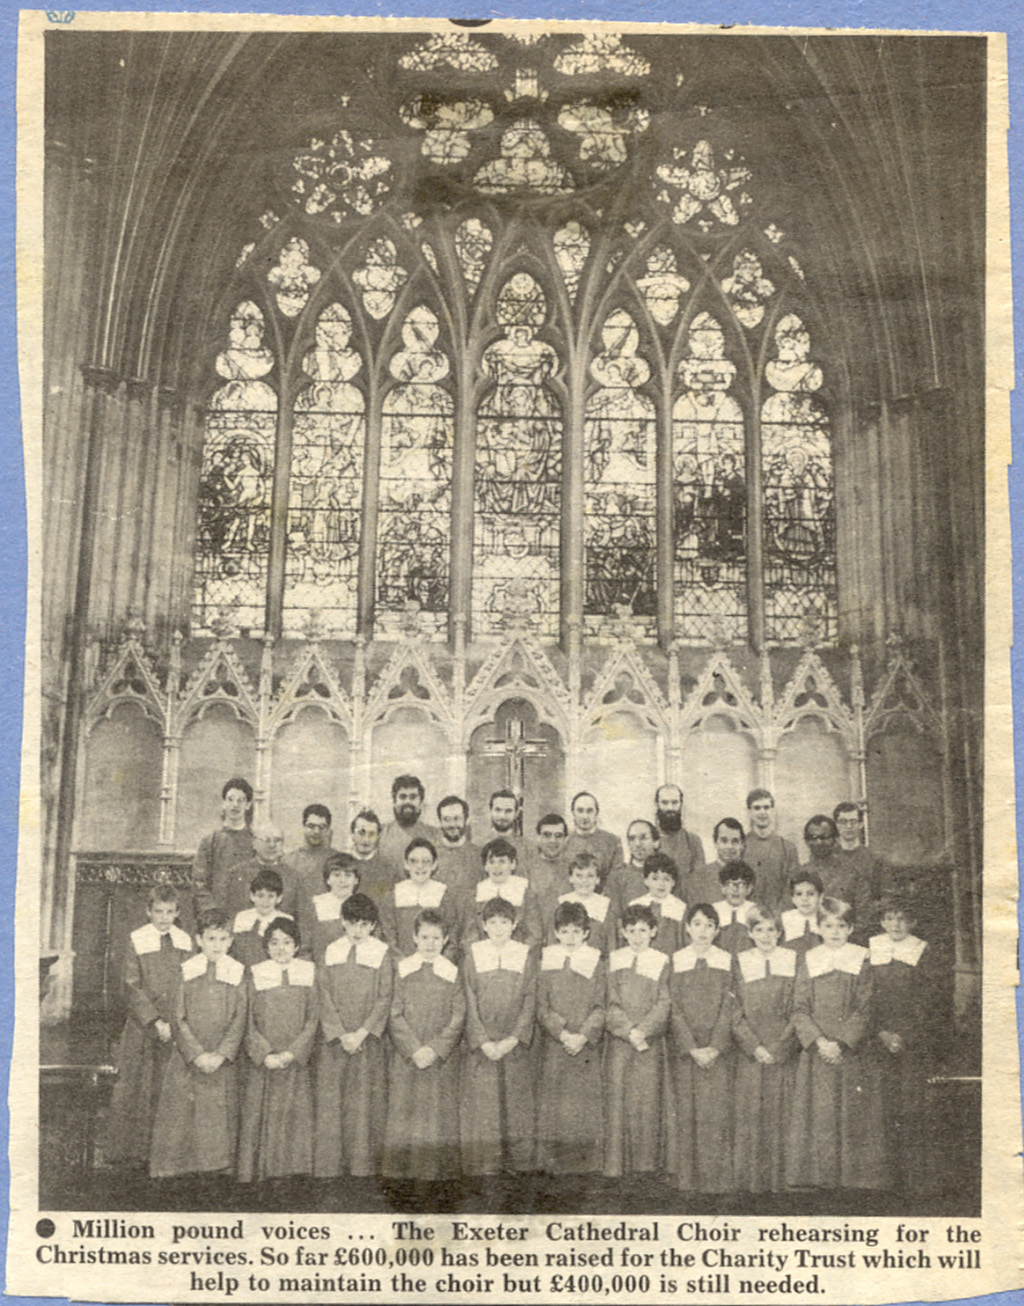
(584, 793)
(408, 782)
(497, 907)
(737, 871)
(758, 795)
(267, 879)
(450, 801)
(420, 842)
(661, 862)
(213, 918)
(428, 916)
(846, 807)
(552, 818)
(366, 814)
(642, 820)
(503, 793)
(497, 848)
(283, 925)
(894, 903)
(572, 913)
(339, 861)
(583, 862)
(237, 783)
(163, 892)
(637, 912)
(842, 911)
(822, 819)
(317, 809)
(360, 907)
(806, 876)
(702, 909)
(730, 823)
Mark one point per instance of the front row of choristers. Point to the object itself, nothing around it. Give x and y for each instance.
(722, 1045)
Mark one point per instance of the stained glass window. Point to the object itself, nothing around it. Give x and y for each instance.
(619, 526)
(326, 484)
(598, 53)
(572, 245)
(524, 163)
(414, 527)
(698, 189)
(518, 472)
(380, 277)
(340, 177)
(455, 50)
(233, 527)
(604, 130)
(447, 124)
(293, 277)
(747, 290)
(662, 286)
(473, 242)
(709, 492)
(796, 455)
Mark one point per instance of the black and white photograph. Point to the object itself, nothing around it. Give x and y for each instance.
(511, 609)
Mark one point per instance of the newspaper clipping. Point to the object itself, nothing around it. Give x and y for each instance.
(517, 781)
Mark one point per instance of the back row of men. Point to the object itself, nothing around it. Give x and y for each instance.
(228, 859)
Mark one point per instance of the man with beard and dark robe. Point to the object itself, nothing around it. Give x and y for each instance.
(458, 860)
(503, 809)
(407, 795)
(684, 847)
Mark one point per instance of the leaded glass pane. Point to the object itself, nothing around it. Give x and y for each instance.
(709, 492)
(662, 287)
(473, 242)
(699, 189)
(340, 177)
(447, 125)
(747, 290)
(293, 277)
(325, 489)
(604, 130)
(572, 245)
(417, 435)
(601, 53)
(456, 50)
(524, 164)
(799, 511)
(619, 525)
(380, 277)
(233, 525)
(518, 473)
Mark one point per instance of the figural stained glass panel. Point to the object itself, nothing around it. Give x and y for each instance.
(414, 515)
(619, 523)
(799, 518)
(709, 492)
(233, 526)
(326, 484)
(518, 473)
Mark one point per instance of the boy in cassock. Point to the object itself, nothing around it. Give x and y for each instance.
(801, 925)
(661, 877)
(419, 891)
(324, 923)
(276, 1135)
(501, 881)
(197, 1119)
(634, 1066)
(266, 889)
(583, 876)
(496, 1118)
(152, 974)
(570, 1011)
(428, 1012)
(355, 983)
(737, 881)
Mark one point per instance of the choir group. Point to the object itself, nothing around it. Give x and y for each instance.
(424, 1006)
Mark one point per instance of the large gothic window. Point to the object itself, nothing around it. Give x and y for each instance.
(546, 360)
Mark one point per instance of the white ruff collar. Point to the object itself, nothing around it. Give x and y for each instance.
(848, 959)
(908, 950)
(596, 905)
(229, 970)
(267, 975)
(649, 963)
(369, 952)
(754, 964)
(512, 891)
(147, 939)
(442, 967)
(672, 908)
(486, 957)
(427, 894)
(686, 959)
(583, 960)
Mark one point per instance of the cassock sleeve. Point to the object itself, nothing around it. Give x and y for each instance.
(742, 1030)
(376, 1018)
(444, 1042)
(187, 1043)
(547, 1015)
(330, 1020)
(682, 1034)
(593, 1026)
(389, 920)
(697, 851)
(231, 1040)
(476, 1034)
(404, 1040)
(302, 1044)
(257, 1044)
(803, 1001)
(615, 1013)
(531, 924)
(523, 1028)
(202, 876)
(655, 1022)
(141, 1006)
(721, 1034)
(853, 1026)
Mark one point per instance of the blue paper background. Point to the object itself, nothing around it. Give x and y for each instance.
(996, 15)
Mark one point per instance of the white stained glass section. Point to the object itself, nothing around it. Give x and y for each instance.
(325, 489)
(293, 277)
(620, 463)
(380, 277)
(473, 243)
(572, 245)
(662, 286)
(236, 482)
(709, 493)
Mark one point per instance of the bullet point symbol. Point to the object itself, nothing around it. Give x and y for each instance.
(45, 1228)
